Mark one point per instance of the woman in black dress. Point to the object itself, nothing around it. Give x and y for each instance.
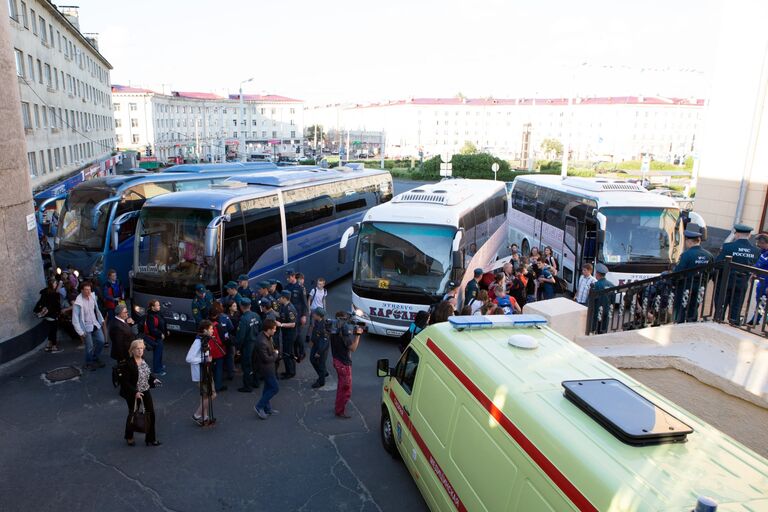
(48, 307)
(135, 385)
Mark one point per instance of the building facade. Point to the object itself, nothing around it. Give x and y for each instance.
(611, 128)
(206, 126)
(65, 92)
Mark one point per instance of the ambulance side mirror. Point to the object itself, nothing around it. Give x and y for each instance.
(382, 368)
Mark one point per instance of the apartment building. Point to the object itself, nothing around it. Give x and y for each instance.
(64, 86)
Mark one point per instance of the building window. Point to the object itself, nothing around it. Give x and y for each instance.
(45, 116)
(293, 111)
(131, 106)
(64, 154)
(42, 162)
(30, 68)
(13, 10)
(118, 123)
(37, 116)
(43, 32)
(24, 18)
(135, 138)
(50, 161)
(234, 122)
(48, 78)
(119, 138)
(39, 71)
(254, 122)
(263, 135)
(234, 134)
(293, 135)
(19, 62)
(274, 135)
(134, 122)
(26, 115)
(32, 159)
(116, 107)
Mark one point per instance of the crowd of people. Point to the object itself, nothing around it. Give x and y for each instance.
(263, 334)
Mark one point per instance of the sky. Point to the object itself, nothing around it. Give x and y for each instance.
(359, 51)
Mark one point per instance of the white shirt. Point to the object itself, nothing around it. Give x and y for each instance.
(318, 298)
(585, 283)
(194, 358)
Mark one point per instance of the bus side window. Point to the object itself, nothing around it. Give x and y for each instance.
(405, 373)
(263, 232)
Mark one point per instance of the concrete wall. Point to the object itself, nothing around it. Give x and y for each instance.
(20, 261)
(735, 137)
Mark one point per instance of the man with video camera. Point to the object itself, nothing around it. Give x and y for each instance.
(345, 338)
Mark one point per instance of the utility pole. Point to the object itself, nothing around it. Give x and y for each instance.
(348, 158)
(241, 124)
(197, 139)
(382, 147)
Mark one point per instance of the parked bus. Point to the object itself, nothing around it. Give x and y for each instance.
(636, 234)
(410, 248)
(98, 217)
(257, 224)
(501, 413)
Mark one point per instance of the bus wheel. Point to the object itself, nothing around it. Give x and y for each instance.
(525, 248)
(388, 434)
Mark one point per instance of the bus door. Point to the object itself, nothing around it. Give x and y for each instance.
(571, 257)
(588, 236)
(541, 210)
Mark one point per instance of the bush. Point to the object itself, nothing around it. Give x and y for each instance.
(308, 161)
(469, 166)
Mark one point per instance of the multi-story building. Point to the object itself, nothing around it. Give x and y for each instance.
(65, 93)
(610, 128)
(204, 125)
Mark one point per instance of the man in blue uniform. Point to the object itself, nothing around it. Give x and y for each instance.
(274, 292)
(762, 263)
(231, 295)
(602, 304)
(288, 323)
(243, 289)
(470, 291)
(740, 251)
(694, 256)
(247, 332)
(299, 301)
(201, 304)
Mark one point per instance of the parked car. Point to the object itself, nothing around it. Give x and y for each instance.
(685, 203)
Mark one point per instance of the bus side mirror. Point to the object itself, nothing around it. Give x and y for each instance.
(382, 368)
(212, 235)
(699, 221)
(601, 220)
(344, 241)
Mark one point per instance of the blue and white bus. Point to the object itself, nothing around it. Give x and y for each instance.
(98, 217)
(256, 224)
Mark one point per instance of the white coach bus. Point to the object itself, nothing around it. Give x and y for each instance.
(636, 234)
(409, 249)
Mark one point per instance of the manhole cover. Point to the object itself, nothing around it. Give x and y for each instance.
(61, 374)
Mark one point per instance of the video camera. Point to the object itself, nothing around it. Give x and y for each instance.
(354, 325)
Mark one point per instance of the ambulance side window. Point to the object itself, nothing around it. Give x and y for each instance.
(405, 373)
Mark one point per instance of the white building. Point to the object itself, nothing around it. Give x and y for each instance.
(611, 128)
(65, 93)
(190, 124)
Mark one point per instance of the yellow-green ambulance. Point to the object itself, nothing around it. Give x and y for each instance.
(501, 413)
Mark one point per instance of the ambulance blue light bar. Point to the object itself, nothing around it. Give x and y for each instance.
(495, 321)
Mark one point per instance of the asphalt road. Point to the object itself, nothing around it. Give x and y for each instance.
(63, 447)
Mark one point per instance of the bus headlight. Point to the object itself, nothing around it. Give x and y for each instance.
(359, 312)
(176, 316)
(183, 317)
(139, 310)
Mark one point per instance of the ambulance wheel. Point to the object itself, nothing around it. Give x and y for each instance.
(388, 434)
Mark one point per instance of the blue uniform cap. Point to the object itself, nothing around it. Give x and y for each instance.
(286, 294)
(273, 282)
(742, 228)
(289, 272)
(231, 284)
(319, 312)
(263, 284)
(199, 287)
(265, 303)
(242, 277)
(245, 302)
(478, 272)
(689, 233)
(601, 268)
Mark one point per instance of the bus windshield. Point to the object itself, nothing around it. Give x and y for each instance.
(171, 249)
(404, 256)
(640, 234)
(77, 220)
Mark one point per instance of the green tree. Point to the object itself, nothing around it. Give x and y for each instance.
(309, 133)
(468, 148)
(552, 147)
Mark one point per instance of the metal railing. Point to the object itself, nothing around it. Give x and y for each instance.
(720, 292)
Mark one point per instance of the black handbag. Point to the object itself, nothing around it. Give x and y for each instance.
(139, 418)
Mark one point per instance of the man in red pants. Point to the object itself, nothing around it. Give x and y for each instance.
(345, 339)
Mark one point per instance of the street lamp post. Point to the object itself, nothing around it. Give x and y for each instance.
(241, 116)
